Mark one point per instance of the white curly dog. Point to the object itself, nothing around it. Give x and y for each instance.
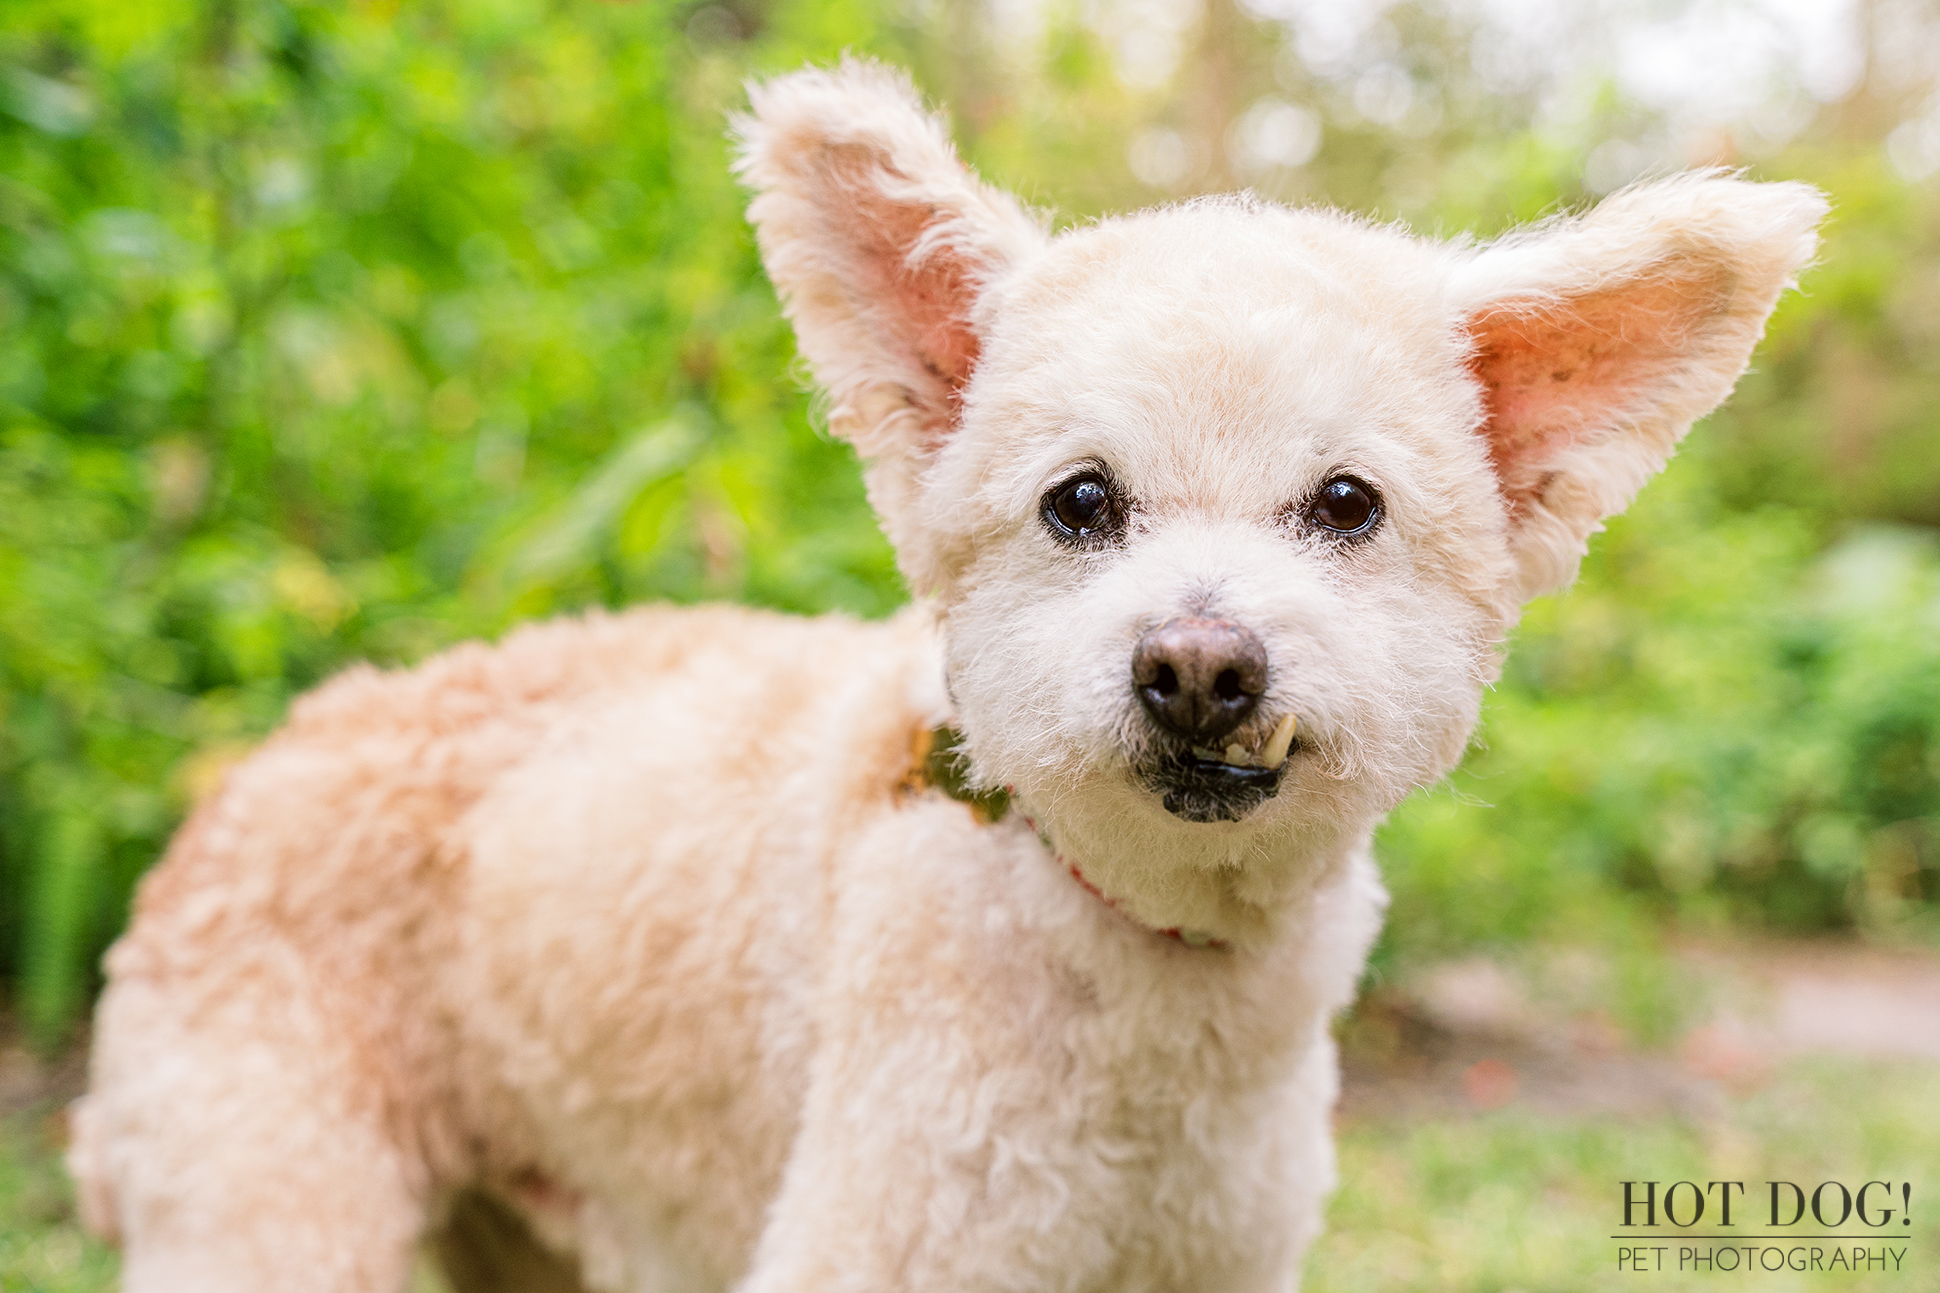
(651, 952)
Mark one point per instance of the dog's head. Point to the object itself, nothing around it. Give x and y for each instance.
(1227, 506)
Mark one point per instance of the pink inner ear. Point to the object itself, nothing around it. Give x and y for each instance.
(920, 312)
(1558, 373)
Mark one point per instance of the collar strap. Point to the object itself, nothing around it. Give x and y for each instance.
(940, 765)
(1190, 937)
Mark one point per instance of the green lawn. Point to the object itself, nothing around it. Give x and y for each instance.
(1455, 1202)
(42, 1247)
(1510, 1200)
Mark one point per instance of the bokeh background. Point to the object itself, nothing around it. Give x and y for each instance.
(346, 331)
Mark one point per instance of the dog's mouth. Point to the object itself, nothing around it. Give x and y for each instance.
(1201, 785)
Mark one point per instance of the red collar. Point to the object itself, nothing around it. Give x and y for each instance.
(1194, 938)
(1190, 937)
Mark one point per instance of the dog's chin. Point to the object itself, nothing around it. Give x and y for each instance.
(1203, 790)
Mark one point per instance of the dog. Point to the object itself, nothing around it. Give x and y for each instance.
(994, 946)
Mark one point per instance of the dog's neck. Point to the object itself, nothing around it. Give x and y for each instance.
(1208, 900)
(1191, 936)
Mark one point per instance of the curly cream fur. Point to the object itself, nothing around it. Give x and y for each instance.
(641, 925)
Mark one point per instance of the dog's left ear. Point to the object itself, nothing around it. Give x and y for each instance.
(1599, 340)
(881, 244)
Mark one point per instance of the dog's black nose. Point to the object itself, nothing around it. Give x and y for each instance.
(1199, 678)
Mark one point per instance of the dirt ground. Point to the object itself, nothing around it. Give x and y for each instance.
(1478, 1033)
(30, 1083)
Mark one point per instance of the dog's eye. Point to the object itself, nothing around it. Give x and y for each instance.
(1082, 509)
(1347, 506)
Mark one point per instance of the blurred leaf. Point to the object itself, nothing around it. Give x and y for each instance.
(567, 534)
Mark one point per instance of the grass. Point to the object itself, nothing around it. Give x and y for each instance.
(1452, 1201)
(1511, 1200)
(42, 1246)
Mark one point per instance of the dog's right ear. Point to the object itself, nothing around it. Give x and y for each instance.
(880, 243)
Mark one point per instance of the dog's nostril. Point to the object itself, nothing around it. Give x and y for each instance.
(1167, 683)
(1226, 685)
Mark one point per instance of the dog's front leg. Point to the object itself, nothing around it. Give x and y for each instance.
(985, 1109)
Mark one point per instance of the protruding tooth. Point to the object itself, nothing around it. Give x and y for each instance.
(1201, 752)
(1236, 755)
(1274, 753)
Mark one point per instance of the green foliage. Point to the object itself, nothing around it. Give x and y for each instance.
(344, 331)
(1723, 716)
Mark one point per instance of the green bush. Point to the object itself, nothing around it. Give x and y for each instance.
(1725, 717)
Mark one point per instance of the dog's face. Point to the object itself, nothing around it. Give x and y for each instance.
(1227, 507)
(1215, 469)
